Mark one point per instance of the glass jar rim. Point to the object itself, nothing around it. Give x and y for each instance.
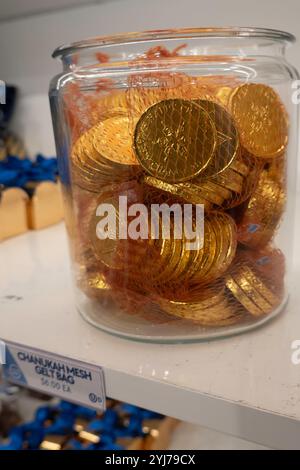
(184, 33)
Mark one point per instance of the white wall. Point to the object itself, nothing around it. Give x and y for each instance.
(27, 44)
(13, 9)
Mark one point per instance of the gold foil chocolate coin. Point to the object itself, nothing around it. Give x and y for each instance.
(92, 170)
(263, 213)
(223, 94)
(220, 242)
(227, 138)
(261, 119)
(106, 249)
(113, 140)
(186, 191)
(114, 249)
(175, 140)
(240, 167)
(230, 180)
(211, 308)
(242, 297)
(251, 291)
(261, 287)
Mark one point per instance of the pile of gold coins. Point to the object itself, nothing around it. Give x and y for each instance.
(208, 141)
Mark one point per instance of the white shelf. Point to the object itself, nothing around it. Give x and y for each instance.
(244, 385)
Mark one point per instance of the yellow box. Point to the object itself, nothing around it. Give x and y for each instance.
(13, 212)
(45, 207)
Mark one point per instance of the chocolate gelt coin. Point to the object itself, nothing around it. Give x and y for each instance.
(113, 140)
(242, 297)
(219, 248)
(251, 290)
(227, 138)
(261, 119)
(175, 140)
(211, 308)
(263, 212)
(186, 191)
(231, 180)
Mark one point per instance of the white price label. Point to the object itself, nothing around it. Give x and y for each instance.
(66, 378)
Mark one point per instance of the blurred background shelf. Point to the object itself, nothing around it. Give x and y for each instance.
(246, 385)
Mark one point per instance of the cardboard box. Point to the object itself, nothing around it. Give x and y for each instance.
(45, 206)
(13, 212)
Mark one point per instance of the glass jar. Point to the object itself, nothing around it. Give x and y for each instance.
(177, 155)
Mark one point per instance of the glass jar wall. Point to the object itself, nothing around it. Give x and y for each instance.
(177, 154)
